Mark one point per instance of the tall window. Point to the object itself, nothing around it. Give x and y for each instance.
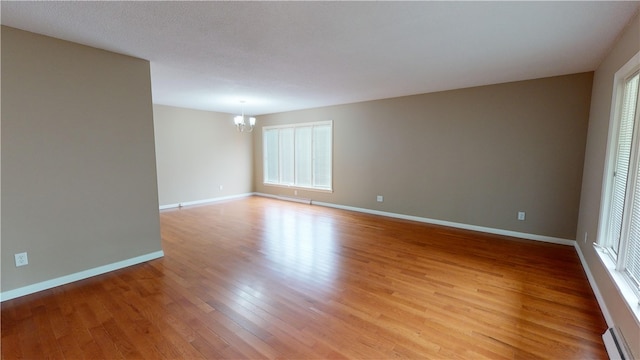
(298, 155)
(621, 235)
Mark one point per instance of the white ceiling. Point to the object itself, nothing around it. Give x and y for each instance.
(281, 56)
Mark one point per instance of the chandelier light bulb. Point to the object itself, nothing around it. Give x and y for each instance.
(239, 121)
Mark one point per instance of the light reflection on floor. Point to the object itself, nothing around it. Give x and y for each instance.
(304, 247)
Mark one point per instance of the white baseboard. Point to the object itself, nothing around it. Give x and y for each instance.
(452, 224)
(204, 201)
(594, 286)
(48, 284)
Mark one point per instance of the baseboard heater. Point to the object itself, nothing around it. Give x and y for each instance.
(294, 199)
(615, 345)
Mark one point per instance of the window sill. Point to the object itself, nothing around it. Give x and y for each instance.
(293, 187)
(621, 283)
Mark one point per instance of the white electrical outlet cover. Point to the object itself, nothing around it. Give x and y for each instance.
(21, 259)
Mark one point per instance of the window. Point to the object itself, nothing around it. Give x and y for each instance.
(298, 155)
(621, 231)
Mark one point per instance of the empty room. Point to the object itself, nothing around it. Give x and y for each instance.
(315, 180)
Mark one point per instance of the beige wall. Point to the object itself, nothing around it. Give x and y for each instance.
(196, 152)
(627, 46)
(474, 156)
(78, 165)
(0, 157)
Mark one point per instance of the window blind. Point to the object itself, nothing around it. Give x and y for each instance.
(623, 227)
(286, 159)
(631, 246)
(322, 156)
(623, 156)
(304, 156)
(632, 251)
(299, 155)
(271, 145)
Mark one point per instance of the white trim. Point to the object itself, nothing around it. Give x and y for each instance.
(585, 266)
(548, 239)
(594, 286)
(521, 235)
(298, 187)
(48, 284)
(621, 284)
(612, 140)
(614, 265)
(204, 201)
(295, 125)
(615, 344)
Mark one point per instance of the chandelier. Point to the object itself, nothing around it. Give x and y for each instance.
(241, 121)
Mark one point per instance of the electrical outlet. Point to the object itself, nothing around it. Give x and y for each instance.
(21, 259)
(379, 198)
(521, 215)
(220, 187)
(295, 192)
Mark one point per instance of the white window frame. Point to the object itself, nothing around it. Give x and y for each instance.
(294, 185)
(615, 263)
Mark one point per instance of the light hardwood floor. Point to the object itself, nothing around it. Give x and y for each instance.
(261, 278)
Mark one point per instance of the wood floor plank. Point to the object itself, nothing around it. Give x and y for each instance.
(259, 278)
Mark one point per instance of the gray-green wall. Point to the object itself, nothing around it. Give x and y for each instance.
(79, 187)
(473, 156)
